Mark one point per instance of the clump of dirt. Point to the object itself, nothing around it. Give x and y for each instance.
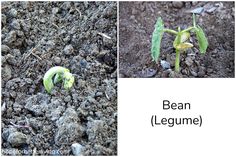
(81, 36)
(137, 20)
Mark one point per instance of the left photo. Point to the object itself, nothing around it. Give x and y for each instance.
(59, 78)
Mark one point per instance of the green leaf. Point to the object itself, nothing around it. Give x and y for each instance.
(202, 40)
(156, 39)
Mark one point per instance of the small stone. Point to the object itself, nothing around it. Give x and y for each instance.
(57, 60)
(146, 73)
(6, 73)
(55, 10)
(13, 12)
(5, 49)
(7, 131)
(10, 38)
(16, 52)
(198, 10)
(4, 19)
(3, 109)
(209, 70)
(77, 149)
(11, 59)
(177, 4)
(132, 17)
(165, 64)
(83, 63)
(68, 50)
(201, 71)
(211, 10)
(188, 61)
(194, 3)
(13, 94)
(3, 60)
(67, 99)
(41, 11)
(15, 24)
(193, 73)
(17, 139)
(99, 94)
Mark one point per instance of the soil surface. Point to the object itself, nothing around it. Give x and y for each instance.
(137, 20)
(81, 36)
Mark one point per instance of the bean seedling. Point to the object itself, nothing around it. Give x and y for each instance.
(57, 74)
(180, 43)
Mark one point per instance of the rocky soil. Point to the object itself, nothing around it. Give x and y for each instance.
(137, 20)
(81, 36)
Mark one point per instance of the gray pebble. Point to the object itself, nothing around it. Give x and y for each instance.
(4, 19)
(194, 3)
(11, 59)
(17, 139)
(209, 70)
(15, 24)
(67, 99)
(13, 12)
(188, 61)
(3, 60)
(165, 64)
(5, 49)
(10, 38)
(198, 10)
(6, 72)
(211, 10)
(7, 131)
(83, 63)
(55, 10)
(77, 149)
(57, 60)
(193, 73)
(177, 4)
(16, 52)
(201, 71)
(99, 94)
(146, 73)
(68, 50)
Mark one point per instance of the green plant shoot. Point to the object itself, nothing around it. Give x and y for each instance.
(57, 74)
(180, 43)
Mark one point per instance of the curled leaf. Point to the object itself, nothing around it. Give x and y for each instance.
(59, 74)
(156, 39)
(184, 46)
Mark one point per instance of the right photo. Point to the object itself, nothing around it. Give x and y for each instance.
(176, 39)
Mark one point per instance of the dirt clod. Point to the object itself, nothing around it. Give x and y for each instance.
(17, 139)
